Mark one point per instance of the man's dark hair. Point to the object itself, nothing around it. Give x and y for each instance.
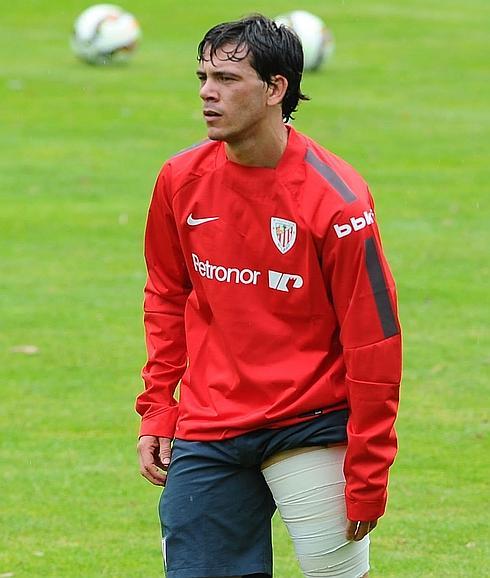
(274, 50)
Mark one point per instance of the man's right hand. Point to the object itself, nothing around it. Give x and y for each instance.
(154, 456)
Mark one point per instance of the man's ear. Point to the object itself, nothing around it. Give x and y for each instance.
(276, 89)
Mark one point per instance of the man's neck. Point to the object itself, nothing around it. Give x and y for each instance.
(260, 152)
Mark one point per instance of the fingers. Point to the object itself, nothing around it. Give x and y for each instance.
(165, 451)
(153, 474)
(357, 530)
(151, 464)
(351, 530)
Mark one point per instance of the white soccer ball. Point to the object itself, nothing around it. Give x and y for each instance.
(317, 40)
(105, 33)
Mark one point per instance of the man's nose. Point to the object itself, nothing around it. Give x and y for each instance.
(208, 91)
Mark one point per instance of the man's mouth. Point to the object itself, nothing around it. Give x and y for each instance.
(208, 113)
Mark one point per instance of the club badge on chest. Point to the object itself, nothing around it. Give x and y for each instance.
(283, 233)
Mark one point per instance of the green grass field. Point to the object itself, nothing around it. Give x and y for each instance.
(405, 100)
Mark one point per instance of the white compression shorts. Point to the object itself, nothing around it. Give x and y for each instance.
(308, 488)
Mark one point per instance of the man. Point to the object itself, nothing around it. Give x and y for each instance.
(269, 299)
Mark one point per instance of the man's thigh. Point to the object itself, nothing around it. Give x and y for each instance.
(308, 486)
(215, 514)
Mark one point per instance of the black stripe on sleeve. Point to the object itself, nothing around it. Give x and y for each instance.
(331, 176)
(380, 290)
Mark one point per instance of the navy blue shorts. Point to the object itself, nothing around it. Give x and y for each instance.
(216, 508)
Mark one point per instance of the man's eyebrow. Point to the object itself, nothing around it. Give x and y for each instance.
(219, 73)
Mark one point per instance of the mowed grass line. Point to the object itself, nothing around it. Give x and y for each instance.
(404, 101)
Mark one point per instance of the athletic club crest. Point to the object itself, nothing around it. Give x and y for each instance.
(283, 233)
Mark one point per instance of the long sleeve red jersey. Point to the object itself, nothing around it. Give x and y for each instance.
(269, 299)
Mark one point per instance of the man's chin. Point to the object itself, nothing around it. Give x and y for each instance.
(215, 135)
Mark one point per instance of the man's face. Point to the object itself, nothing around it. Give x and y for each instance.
(234, 97)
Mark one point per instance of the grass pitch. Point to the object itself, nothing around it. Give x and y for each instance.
(405, 100)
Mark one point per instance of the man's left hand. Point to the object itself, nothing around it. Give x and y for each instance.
(357, 530)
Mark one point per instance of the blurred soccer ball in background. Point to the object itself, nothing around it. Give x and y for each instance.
(105, 33)
(317, 40)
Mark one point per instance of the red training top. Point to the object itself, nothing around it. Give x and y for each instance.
(269, 296)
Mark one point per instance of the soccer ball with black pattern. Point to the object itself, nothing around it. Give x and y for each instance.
(105, 34)
(317, 40)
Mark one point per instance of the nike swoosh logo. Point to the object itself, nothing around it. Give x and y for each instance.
(193, 222)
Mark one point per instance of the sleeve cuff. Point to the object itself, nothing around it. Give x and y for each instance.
(160, 423)
(364, 511)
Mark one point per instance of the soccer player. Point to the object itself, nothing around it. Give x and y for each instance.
(270, 301)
